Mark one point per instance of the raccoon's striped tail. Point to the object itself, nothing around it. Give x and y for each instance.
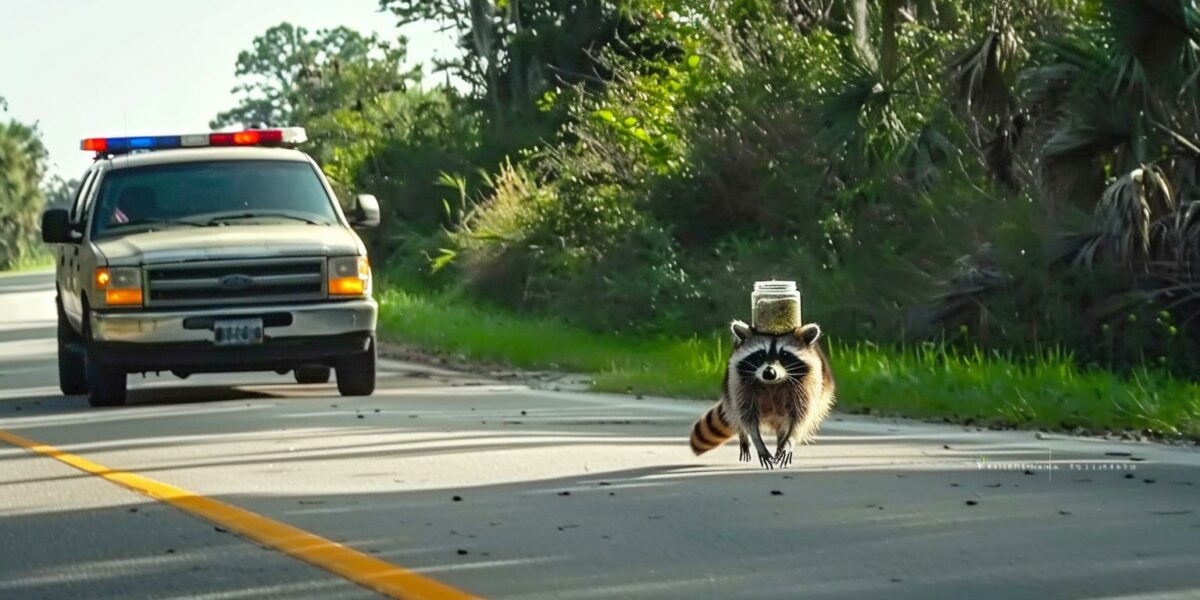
(711, 431)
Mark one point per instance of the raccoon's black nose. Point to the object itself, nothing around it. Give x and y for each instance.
(769, 374)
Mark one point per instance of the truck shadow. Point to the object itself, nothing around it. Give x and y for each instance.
(163, 395)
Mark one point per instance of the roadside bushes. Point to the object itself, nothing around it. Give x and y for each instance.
(395, 145)
(698, 171)
(22, 164)
(587, 255)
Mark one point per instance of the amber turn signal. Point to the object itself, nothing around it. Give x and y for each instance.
(123, 297)
(346, 286)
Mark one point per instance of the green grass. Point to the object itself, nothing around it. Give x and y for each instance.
(35, 263)
(930, 382)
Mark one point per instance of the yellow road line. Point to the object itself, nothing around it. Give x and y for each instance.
(370, 572)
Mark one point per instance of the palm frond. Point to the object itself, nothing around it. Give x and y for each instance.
(1126, 210)
(1045, 85)
(925, 156)
(980, 79)
(1079, 250)
(965, 295)
(864, 118)
(1000, 151)
(1095, 128)
(1177, 236)
(1151, 32)
(841, 117)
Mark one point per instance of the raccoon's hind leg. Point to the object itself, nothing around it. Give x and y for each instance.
(744, 446)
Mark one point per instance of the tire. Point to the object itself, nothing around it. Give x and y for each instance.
(72, 374)
(106, 383)
(356, 373)
(312, 374)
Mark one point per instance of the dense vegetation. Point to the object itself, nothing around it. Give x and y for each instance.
(1014, 176)
(928, 380)
(22, 166)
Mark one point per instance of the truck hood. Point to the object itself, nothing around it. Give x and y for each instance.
(230, 242)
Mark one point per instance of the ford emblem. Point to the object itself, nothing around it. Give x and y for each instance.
(236, 281)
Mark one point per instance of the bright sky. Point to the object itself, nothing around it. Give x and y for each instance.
(91, 68)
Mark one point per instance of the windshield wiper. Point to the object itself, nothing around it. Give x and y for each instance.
(144, 222)
(258, 215)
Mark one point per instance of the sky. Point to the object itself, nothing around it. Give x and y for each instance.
(95, 68)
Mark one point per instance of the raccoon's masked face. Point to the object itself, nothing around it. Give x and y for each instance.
(772, 359)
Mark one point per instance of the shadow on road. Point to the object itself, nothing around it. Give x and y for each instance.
(858, 515)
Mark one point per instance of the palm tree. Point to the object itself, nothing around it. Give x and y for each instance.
(1103, 118)
(22, 163)
(1122, 112)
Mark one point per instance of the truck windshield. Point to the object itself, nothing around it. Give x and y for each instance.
(210, 194)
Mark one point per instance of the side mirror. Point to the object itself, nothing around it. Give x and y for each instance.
(365, 211)
(56, 227)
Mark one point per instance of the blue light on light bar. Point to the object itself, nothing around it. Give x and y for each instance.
(119, 145)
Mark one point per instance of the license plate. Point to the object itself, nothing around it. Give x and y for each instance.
(238, 332)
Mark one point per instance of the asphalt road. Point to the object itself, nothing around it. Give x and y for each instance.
(560, 495)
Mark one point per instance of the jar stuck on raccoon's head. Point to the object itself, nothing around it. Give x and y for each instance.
(775, 307)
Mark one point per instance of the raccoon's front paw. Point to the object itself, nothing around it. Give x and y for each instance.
(766, 461)
(783, 458)
(744, 455)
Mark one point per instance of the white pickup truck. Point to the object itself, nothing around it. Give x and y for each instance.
(210, 253)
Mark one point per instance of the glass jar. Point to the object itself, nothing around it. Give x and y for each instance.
(775, 307)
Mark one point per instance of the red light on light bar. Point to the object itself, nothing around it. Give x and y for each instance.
(246, 138)
(220, 139)
(94, 144)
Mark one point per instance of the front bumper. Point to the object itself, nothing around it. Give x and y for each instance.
(182, 340)
(324, 319)
(202, 357)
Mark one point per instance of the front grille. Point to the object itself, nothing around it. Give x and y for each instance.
(214, 283)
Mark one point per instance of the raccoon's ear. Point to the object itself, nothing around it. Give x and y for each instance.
(809, 334)
(741, 331)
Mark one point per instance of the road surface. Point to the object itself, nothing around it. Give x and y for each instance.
(506, 492)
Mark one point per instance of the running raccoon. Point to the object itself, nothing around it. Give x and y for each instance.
(781, 382)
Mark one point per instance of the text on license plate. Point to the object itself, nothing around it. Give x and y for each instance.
(237, 332)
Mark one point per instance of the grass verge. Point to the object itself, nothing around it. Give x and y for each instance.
(37, 262)
(928, 382)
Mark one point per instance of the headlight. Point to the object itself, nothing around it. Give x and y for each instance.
(122, 286)
(349, 276)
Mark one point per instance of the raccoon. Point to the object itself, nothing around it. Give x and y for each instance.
(781, 382)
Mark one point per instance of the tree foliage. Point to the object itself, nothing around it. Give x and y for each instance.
(291, 74)
(991, 173)
(22, 165)
(372, 126)
(514, 51)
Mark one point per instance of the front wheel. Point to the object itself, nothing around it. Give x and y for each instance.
(106, 383)
(356, 373)
(72, 376)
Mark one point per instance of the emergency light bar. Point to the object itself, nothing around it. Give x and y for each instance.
(249, 137)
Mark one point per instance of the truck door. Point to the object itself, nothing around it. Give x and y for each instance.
(69, 259)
